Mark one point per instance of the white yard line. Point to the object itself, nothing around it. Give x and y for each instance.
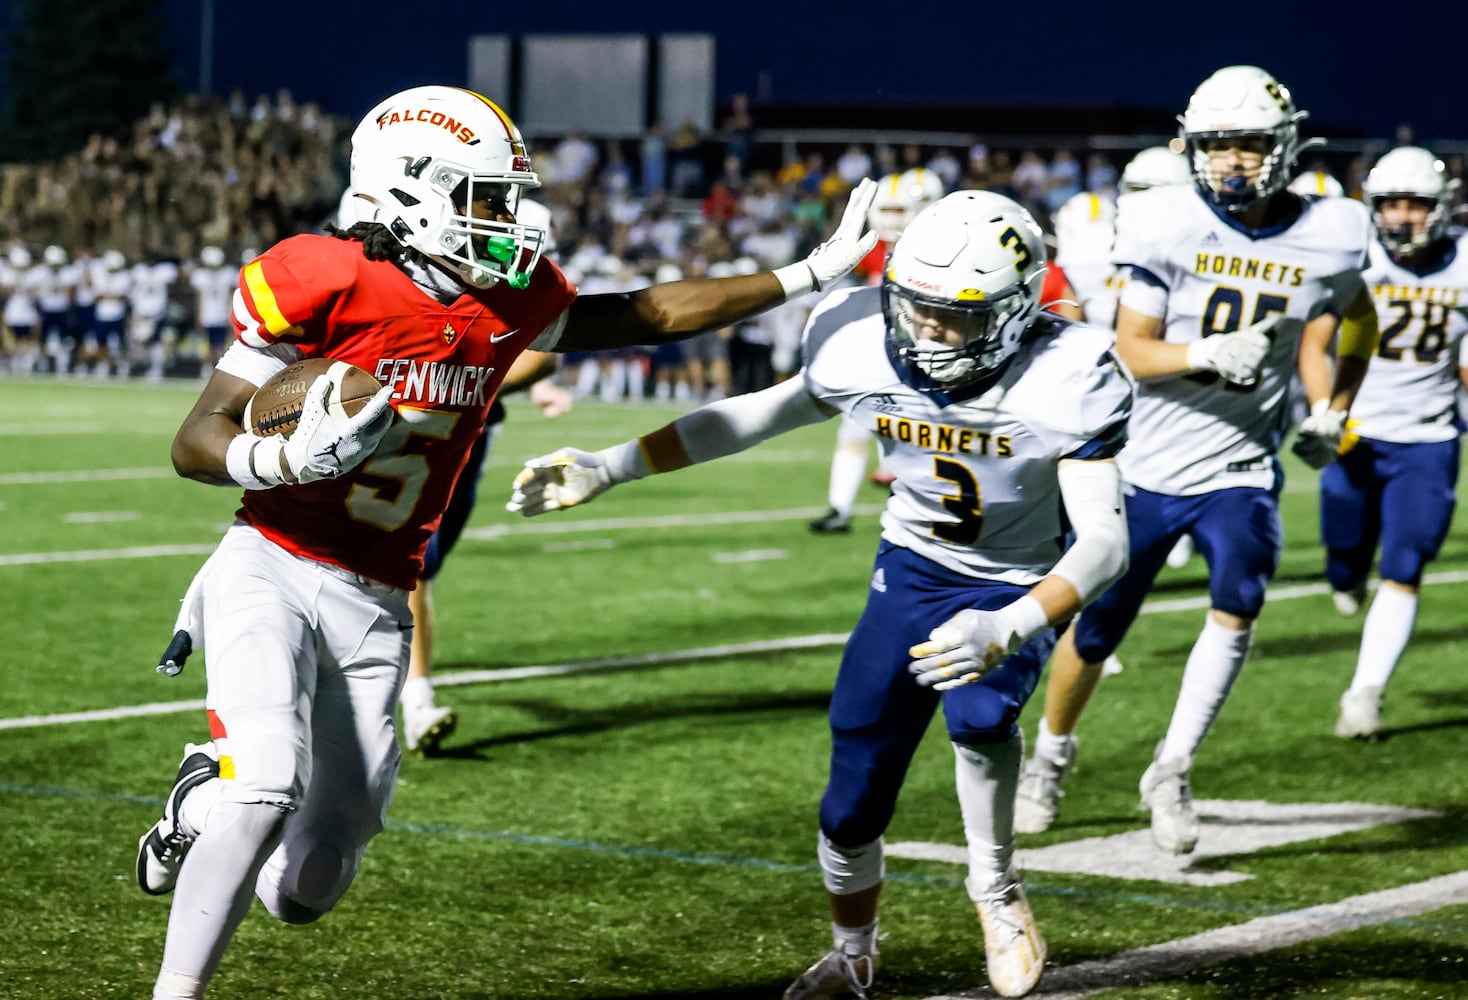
(1253, 937)
(84, 476)
(471, 677)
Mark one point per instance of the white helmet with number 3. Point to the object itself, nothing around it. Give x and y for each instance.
(1242, 102)
(424, 157)
(962, 287)
(1410, 172)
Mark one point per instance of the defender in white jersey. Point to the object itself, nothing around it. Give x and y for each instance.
(1000, 422)
(1230, 281)
(1395, 486)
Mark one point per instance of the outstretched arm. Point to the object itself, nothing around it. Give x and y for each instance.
(569, 477)
(676, 310)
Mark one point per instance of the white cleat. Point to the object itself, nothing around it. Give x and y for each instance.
(1181, 552)
(837, 974)
(1165, 790)
(1014, 951)
(1037, 800)
(1360, 717)
(1111, 666)
(1348, 602)
(425, 729)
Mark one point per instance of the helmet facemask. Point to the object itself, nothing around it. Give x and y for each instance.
(955, 343)
(1236, 191)
(1404, 239)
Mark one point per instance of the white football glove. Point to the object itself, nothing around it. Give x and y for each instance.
(1318, 441)
(1236, 356)
(563, 479)
(840, 253)
(967, 646)
(323, 445)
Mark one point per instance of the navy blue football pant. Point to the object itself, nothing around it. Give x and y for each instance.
(1238, 533)
(1401, 495)
(879, 712)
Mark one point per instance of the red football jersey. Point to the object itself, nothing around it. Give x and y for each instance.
(444, 363)
(870, 267)
(1053, 290)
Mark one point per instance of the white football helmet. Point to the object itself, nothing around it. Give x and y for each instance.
(18, 256)
(421, 161)
(1410, 172)
(900, 197)
(1317, 182)
(114, 260)
(1242, 102)
(962, 287)
(211, 257)
(1155, 166)
(54, 255)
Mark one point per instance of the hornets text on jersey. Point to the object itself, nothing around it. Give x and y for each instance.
(976, 487)
(1193, 434)
(1410, 392)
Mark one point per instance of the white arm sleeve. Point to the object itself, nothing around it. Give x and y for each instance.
(740, 422)
(256, 365)
(1093, 503)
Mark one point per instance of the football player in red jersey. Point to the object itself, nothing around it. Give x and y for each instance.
(304, 606)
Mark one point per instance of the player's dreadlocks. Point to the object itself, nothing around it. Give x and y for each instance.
(377, 242)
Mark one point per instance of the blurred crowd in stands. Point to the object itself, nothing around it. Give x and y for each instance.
(120, 258)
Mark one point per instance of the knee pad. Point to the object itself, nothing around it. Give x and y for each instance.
(849, 870)
(305, 879)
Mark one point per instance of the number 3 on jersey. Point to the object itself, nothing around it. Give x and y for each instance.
(967, 505)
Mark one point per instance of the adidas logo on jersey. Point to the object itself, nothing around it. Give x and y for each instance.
(884, 403)
(879, 580)
(1211, 240)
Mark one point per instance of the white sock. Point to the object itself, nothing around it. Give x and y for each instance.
(987, 777)
(1050, 746)
(1384, 637)
(855, 940)
(418, 693)
(198, 806)
(613, 381)
(1213, 666)
(214, 891)
(587, 377)
(636, 381)
(848, 466)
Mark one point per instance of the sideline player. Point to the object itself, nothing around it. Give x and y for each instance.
(1230, 281)
(303, 607)
(1000, 421)
(1395, 485)
(900, 197)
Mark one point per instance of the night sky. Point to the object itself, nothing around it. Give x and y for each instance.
(1350, 68)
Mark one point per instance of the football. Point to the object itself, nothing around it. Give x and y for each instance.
(276, 406)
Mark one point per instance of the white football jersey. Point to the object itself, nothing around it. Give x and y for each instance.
(1411, 386)
(1195, 433)
(1083, 251)
(976, 488)
(215, 286)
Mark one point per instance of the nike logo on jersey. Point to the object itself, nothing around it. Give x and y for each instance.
(495, 338)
